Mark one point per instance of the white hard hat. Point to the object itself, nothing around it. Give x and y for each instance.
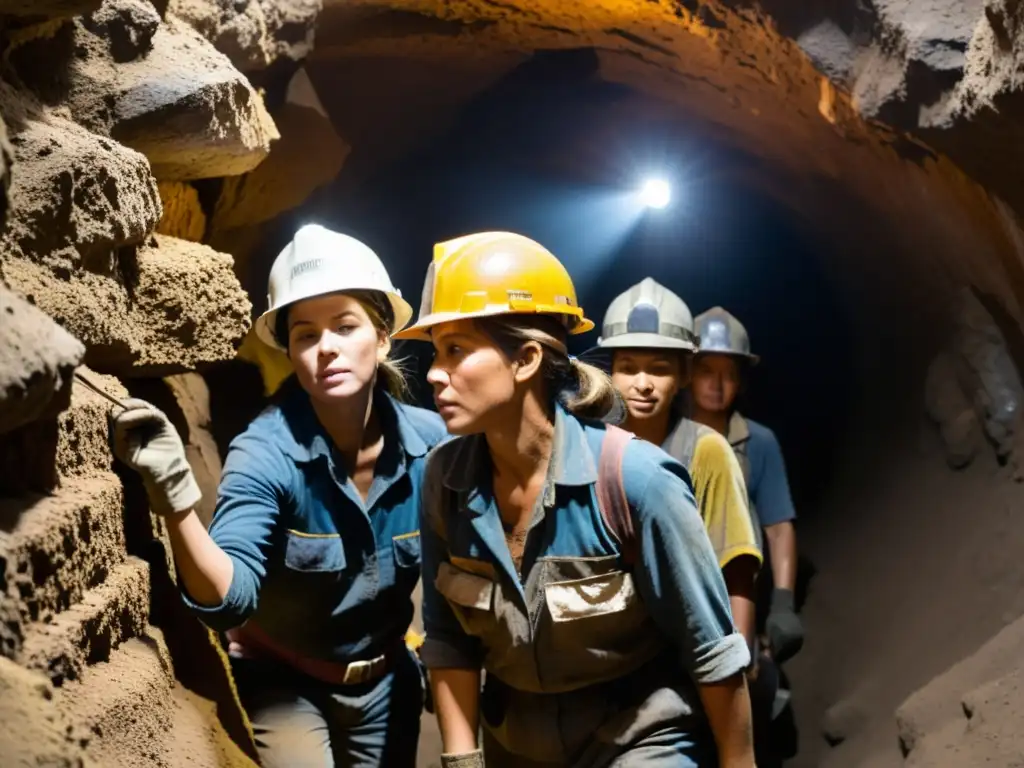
(649, 316)
(723, 334)
(319, 261)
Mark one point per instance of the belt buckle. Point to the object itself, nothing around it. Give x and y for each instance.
(357, 672)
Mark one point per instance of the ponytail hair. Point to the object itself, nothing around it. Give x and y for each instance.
(583, 389)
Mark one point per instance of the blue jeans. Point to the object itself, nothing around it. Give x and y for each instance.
(299, 722)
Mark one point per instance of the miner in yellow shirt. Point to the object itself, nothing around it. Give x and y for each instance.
(648, 333)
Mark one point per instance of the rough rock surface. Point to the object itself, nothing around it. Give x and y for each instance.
(952, 410)
(76, 196)
(308, 155)
(183, 214)
(253, 33)
(37, 358)
(33, 732)
(141, 716)
(969, 715)
(178, 305)
(200, 122)
(989, 374)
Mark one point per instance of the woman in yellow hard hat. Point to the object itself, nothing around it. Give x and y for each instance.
(566, 559)
(313, 552)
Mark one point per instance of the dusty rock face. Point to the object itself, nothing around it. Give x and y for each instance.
(183, 215)
(37, 358)
(126, 81)
(32, 730)
(171, 305)
(253, 33)
(952, 411)
(76, 196)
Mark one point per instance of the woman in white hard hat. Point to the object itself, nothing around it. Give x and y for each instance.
(313, 552)
(648, 332)
(566, 559)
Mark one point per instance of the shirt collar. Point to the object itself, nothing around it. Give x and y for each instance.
(738, 430)
(304, 439)
(572, 461)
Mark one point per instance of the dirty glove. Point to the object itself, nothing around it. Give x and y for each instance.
(784, 628)
(473, 759)
(144, 439)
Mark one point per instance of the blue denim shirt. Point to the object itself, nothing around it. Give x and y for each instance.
(322, 573)
(761, 458)
(563, 639)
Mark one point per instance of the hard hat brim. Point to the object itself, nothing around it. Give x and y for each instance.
(421, 330)
(265, 323)
(646, 341)
(746, 356)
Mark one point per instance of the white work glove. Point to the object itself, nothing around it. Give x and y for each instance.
(143, 438)
(474, 759)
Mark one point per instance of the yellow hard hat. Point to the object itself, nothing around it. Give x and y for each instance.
(495, 273)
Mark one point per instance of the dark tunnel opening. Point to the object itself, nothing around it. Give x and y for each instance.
(528, 155)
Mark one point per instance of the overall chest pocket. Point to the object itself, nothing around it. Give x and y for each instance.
(602, 613)
(407, 550)
(313, 553)
(470, 597)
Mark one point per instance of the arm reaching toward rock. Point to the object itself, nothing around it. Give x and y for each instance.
(143, 438)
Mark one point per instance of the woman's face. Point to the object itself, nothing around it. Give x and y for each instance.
(473, 380)
(715, 382)
(648, 381)
(334, 346)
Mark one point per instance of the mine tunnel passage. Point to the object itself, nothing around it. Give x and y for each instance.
(831, 239)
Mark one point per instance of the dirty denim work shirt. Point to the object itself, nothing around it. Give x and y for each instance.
(580, 647)
(760, 456)
(320, 572)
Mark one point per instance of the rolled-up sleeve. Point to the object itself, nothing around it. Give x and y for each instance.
(680, 579)
(447, 645)
(249, 501)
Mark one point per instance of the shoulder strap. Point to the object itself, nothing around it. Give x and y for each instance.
(611, 493)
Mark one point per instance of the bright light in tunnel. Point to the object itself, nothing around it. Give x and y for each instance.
(656, 193)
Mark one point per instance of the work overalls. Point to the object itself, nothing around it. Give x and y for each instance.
(588, 663)
(319, 601)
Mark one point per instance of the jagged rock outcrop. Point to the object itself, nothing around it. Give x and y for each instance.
(37, 358)
(76, 196)
(125, 80)
(172, 306)
(253, 33)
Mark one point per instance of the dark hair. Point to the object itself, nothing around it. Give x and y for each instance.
(583, 389)
(391, 373)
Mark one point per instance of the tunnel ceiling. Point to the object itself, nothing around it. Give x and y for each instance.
(871, 156)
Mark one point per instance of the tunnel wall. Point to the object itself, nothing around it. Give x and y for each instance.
(132, 134)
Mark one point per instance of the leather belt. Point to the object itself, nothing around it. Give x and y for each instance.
(251, 641)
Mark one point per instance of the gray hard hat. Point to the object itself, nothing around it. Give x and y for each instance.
(723, 334)
(648, 316)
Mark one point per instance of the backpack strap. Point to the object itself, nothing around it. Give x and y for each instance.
(611, 493)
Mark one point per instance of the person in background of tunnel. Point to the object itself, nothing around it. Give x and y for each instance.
(719, 369)
(648, 331)
(313, 552)
(560, 555)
